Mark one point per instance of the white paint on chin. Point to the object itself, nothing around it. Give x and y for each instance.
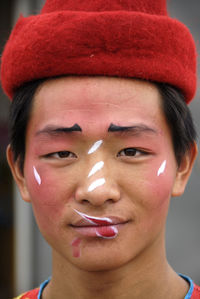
(162, 168)
(95, 147)
(96, 168)
(37, 176)
(96, 184)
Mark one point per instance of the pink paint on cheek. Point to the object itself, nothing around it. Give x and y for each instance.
(76, 252)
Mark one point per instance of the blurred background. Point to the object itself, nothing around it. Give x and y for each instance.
(25, 258)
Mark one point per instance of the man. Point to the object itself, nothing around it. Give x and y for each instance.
(101, 138)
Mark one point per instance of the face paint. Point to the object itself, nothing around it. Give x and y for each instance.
(37, 176)
(103, 227)
(76, 247)
(95, 220)
(162, 168)
(140, 196)
(96, 168)
(95, 147)
(107, 232)
(96, 184)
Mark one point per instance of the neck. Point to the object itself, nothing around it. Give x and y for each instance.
(144, 276)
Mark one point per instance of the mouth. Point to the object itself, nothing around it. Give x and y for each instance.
(102, 227)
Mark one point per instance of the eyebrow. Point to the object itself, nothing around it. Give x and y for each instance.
(52, 130)
(136, 129)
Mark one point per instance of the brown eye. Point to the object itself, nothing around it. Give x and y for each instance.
(65, 154)
(130, 152)
(61, 155)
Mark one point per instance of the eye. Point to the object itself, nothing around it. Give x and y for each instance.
(131, 152)
(61, 155)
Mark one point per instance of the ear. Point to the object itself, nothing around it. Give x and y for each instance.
(18, 175)
(184, 171)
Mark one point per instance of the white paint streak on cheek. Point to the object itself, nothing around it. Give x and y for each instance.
(96, 184)
(96, 168)
(95, 146)
(162, 168)
(37, 176)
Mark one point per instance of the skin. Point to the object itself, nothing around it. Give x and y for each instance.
(134, 263)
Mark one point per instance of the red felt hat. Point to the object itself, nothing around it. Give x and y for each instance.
(124, 38)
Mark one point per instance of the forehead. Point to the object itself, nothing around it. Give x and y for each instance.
(96, 102)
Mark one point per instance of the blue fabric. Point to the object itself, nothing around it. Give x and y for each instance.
(42, 286)
(191, 283)
(188, 279)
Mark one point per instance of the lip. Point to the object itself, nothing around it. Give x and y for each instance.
(92, 226)
(106, 230)
(100, 221)
(88, 220)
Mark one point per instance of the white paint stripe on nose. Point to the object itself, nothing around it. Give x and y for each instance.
(95, 146)
(96, 168)
(96, 184)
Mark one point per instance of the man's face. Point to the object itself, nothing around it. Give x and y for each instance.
(99, 147)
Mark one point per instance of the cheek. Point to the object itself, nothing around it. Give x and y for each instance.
(151, 196)
(152, 185)
(50, 195)
(161, 183)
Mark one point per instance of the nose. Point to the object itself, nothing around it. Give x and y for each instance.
(98, 189)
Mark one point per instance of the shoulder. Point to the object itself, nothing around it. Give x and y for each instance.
(196, 292)
(33, 294)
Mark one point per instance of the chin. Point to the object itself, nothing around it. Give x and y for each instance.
(98, 266)
(101, 261)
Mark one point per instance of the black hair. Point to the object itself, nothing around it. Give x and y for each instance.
(179, 119)
(20, 111)
(175, 109)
